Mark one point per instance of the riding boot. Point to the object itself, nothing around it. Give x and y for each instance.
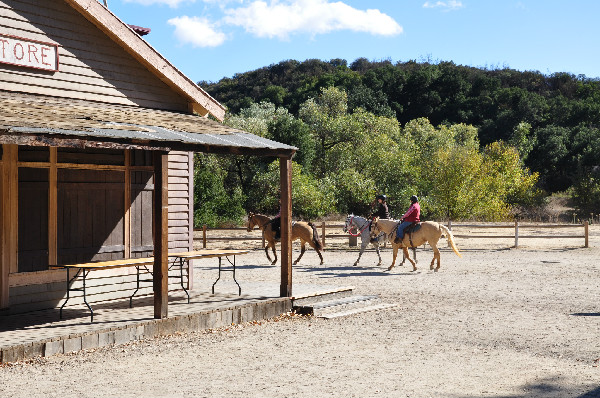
(398, 240)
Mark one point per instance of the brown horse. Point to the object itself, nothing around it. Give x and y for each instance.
(429, 232)
(305, 231)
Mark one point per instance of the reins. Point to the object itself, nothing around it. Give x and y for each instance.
(361, 229)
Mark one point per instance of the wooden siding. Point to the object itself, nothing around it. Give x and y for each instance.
(91, 65)
(180, 201)
(86, 230)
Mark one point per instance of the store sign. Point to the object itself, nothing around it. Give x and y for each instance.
(28, 53)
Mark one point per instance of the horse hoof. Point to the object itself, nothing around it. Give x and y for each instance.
(354, 265)
(390, 268)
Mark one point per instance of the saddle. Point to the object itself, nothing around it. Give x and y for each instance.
(412, 228)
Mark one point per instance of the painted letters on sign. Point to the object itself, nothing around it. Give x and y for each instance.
(29, 53)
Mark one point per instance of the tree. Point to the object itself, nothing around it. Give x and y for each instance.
(214, 204)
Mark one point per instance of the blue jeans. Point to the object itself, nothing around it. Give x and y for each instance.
(401, 227)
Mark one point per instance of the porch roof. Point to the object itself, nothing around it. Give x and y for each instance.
(48, 121)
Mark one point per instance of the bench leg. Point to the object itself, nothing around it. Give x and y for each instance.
(181, 261)
(70, 282)
(229, 270)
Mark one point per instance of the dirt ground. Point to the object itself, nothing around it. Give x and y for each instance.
(499, 322)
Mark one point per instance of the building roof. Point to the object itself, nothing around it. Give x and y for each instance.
(122, 34)
(48, 121)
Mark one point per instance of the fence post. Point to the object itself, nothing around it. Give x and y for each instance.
(204, 236)
(352, 241)
(586, 233)
(516, 234)
(450, 228)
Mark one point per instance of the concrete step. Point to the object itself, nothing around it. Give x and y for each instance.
(341, 306)
(313, 298)
(375, 307)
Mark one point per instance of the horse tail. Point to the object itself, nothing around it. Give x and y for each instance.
(316, 240)
(448, 234)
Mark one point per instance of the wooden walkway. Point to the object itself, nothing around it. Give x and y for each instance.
(42, 333)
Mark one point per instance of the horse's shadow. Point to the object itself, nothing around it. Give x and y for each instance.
(358, 271)
(586, 314)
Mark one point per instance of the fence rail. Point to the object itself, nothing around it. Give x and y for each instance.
(352, 240)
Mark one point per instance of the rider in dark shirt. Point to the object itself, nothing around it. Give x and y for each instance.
(382, 210)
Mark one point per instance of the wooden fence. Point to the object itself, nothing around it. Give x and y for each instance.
(516, 229)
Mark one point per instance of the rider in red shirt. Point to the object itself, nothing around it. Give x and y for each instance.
(412, 215)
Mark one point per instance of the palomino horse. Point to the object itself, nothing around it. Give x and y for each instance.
(305, 231)
(360, 226)
(429, 232)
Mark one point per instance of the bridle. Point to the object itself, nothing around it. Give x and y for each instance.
(360, 229)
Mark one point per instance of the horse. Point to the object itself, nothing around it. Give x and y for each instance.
(305, 231)
(429, 231)
(360, 226)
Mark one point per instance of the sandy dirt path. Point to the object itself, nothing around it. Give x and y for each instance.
(500, 322)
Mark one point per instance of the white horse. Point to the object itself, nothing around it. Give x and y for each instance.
(360, 226)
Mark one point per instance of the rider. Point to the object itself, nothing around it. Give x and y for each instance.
(411, 216)
(382, 210)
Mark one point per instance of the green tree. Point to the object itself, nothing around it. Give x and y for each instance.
(214, 204)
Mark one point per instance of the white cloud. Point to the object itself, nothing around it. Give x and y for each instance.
(170, 3)
(445, 5)
(199, 32)
(282, 18)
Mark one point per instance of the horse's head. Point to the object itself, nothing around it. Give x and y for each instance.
(348, 225)
(251, 222)
(375, 228)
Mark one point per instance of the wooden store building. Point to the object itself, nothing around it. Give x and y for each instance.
(97, 134)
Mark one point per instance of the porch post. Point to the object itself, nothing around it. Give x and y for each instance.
(285, 175)
(161, 235)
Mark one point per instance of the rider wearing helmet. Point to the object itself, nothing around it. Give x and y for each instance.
(382, 210)
(412, 215)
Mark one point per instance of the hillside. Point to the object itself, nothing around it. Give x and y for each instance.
(552, 119)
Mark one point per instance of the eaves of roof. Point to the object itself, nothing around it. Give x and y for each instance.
(35, 120)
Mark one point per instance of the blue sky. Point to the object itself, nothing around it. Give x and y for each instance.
(212, 39)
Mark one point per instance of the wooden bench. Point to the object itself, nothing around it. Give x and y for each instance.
(175, 260)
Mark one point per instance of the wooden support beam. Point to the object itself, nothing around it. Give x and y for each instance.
(127, 199)
(285, 175)
(53, 209)
(10, 232)
(161, 235)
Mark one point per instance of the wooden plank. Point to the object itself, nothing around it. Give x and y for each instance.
(73, 89)
(161, 235)
(4, 265)
(190, 228)
(285, 176)
(53, 210)
(10, 155)
(113, 97)
(127, 201)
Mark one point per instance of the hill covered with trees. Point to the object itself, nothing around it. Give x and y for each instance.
(416, 114)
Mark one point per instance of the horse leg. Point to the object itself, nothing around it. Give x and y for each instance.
(302, 249)
(395, 253)
(378, 254)
(320, 255)
(407, 256)
(267, 250)
(274, 254)
(436, 255)
(363, 245)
